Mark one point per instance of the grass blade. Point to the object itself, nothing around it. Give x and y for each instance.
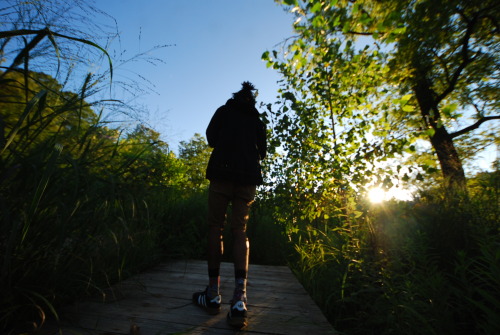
(37, 98)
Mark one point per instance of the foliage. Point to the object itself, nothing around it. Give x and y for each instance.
(149, 159)
(195, 155)
(74, 205)
(182, 232)
(74, 194)
(346, 112)
(394, 271)
(415, 81)
(83, 204)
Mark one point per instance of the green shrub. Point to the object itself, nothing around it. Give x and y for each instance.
(401, 269)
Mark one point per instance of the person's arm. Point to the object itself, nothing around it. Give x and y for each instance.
(213, 127)
(262, 140)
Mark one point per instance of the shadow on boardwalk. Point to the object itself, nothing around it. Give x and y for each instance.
(159, 302)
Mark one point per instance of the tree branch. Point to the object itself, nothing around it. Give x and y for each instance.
(362, 33)
(465, 58)
(475, 125)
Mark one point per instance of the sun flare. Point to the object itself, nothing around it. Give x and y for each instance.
(376, 195)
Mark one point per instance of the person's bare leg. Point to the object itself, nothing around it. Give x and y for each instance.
(241, 247)
(217, 206)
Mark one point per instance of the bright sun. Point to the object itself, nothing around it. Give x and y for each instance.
(377, 194)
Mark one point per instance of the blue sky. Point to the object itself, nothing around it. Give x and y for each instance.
(215, 46)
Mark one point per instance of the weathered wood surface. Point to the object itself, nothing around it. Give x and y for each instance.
(159, 302)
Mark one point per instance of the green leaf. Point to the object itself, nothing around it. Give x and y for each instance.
(289, 96)
(318, 21)
(365, 19)
(400, 30)
(316, 8)
(406, 97)
(449, 109)
(336, 22)
(430, 132)
(357, 214)
(381, 27)
(346, 27)
(355, 8)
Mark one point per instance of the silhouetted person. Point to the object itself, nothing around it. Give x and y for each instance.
(238, 137)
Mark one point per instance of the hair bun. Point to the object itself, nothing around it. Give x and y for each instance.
(248, 86)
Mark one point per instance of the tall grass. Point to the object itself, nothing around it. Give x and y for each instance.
(82, 208)
(183, 229)
(393, 271)
(66, 230)
(76, 198)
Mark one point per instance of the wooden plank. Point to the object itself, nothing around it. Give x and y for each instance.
(159, 302)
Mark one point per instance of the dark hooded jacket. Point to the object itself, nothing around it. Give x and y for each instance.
(238, 137)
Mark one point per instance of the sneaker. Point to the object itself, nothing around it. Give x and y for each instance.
(237, 316)
(211, 305)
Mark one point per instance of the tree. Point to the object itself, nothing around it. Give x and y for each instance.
(195, 155)
(34, 108)
(145, 159)
(433, 69)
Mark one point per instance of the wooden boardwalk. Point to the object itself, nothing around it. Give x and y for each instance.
(159, 302)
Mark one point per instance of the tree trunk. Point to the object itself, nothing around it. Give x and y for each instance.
(453, 231)
(450, 162)
(441, 140)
